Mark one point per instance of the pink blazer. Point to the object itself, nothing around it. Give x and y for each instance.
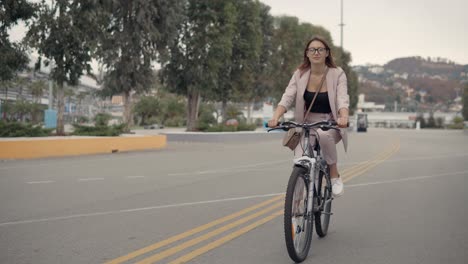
(337, 94)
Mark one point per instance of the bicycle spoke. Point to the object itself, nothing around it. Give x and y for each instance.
(298, 215)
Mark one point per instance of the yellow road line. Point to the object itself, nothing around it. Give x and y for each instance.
(367, 163)
(225, 239)
(191, 232)
(352, 172)
(362, 170)
(174, 250)
(348, 174)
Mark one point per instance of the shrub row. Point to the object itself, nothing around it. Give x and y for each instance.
(101, 131)
(224, 128)
(17, 129)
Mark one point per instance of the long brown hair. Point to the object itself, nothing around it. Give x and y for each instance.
(306, 63)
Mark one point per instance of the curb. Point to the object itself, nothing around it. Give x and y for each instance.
(45, 147)
(28, 148)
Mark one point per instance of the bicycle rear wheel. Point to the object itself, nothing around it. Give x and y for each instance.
(297, 221)
(324, 194)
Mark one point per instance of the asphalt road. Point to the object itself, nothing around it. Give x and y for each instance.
(404, 202)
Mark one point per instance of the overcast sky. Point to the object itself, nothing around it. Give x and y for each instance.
(378, 31)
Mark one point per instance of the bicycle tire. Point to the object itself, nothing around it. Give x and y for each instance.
(297, 230)
(322, 217)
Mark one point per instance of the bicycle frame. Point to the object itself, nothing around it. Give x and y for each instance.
(309, 162)
(305, 204)
(313, 163)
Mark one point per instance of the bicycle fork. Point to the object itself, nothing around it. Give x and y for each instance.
(310, 164)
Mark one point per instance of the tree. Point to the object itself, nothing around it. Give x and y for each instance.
(465, 102)
(198, 54)
(263, 66)
(421, 120)
(252, 52)
(80, 98)
(133, 35)
(37, 90)
(64, 33)
(223, 51)
(288, 44)
(431, 122)
(13, 55)
(147, 107)
(173, 110)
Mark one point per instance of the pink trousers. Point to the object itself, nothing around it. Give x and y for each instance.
(327, 139)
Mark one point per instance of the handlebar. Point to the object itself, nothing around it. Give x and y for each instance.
(324, 125)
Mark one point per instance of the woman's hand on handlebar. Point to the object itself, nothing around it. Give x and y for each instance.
(342, 121)
(273, 123)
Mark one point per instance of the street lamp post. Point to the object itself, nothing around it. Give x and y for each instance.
(341, 25)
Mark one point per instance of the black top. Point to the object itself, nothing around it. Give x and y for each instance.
(321, 104)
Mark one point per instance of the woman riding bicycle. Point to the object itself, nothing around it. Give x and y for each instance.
(331, 103)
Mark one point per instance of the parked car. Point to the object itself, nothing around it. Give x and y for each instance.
(361, 122)
(154, 126)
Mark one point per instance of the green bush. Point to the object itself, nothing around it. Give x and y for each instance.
(457, 123)
(224, 128)
(100, 131)
(246, 127)
(102, 119)
(16, 129)
(175, 122)
(220, 128)
(205, 117)
(82, 119)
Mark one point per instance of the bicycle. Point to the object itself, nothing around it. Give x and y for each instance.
(307, 199)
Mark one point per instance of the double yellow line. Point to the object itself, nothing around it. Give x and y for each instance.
(363, 167)
(274, 204)
(269, 213)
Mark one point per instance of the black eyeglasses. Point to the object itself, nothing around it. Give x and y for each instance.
(319, 50)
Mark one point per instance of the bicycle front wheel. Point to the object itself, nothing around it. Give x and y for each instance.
(297, 220)
(324, 194)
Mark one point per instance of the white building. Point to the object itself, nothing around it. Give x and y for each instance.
(364, 106)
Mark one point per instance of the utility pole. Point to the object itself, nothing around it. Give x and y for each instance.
(51, 82)
(51, 98)
(50, 115)
(342, 25)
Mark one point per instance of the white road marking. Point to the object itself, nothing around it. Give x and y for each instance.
(464, 173)
(90, 179)
(231, 169)
(39, 182)
(135, 177)
(64, 161)
(135, 209)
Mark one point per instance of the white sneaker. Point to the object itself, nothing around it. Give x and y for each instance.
(337, 187)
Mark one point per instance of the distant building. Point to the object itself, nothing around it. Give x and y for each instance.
(82, 102)
(377, 69)
(403, 119)
(364, 106)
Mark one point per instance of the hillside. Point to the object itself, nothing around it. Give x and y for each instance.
(416, 83)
